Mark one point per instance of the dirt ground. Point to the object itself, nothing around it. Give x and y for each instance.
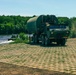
(26, 59)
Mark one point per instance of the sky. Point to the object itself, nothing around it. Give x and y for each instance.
(61, 8)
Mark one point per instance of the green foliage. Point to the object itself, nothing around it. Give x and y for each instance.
(17, 24)
(63, 20)
(73, 34)
(23, 38)
(73, 28)
(13, 24)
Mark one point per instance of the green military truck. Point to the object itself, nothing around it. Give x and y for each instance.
(45, 29)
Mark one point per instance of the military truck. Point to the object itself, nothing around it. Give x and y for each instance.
(45, 29)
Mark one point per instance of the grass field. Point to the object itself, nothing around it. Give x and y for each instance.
(26, 59)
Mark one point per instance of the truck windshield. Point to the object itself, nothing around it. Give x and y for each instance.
(57, 27)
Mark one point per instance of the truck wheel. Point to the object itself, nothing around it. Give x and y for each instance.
(63, 41)
(30, 39)
(36, 39)
(46, 41)
(33, 39)
(43, 40)
(58, 42)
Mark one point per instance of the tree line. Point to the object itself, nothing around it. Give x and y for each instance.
(17, 24)
(12, 24)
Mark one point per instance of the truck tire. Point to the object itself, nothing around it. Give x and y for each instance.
(33, 39)
(36, 39)
(42, 40)
(63, 41)
(46, 41)
(30, 39)
(58, 42)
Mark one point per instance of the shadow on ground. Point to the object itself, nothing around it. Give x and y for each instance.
(50, 45)
(11, 69)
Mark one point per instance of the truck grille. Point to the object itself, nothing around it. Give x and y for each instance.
(59, 35)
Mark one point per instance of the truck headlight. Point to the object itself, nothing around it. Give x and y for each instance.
(67, 32)
(52, 32)
(67, 28)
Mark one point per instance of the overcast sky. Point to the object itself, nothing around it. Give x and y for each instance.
(37, 7)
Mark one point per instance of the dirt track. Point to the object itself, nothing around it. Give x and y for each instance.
(25, 59)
